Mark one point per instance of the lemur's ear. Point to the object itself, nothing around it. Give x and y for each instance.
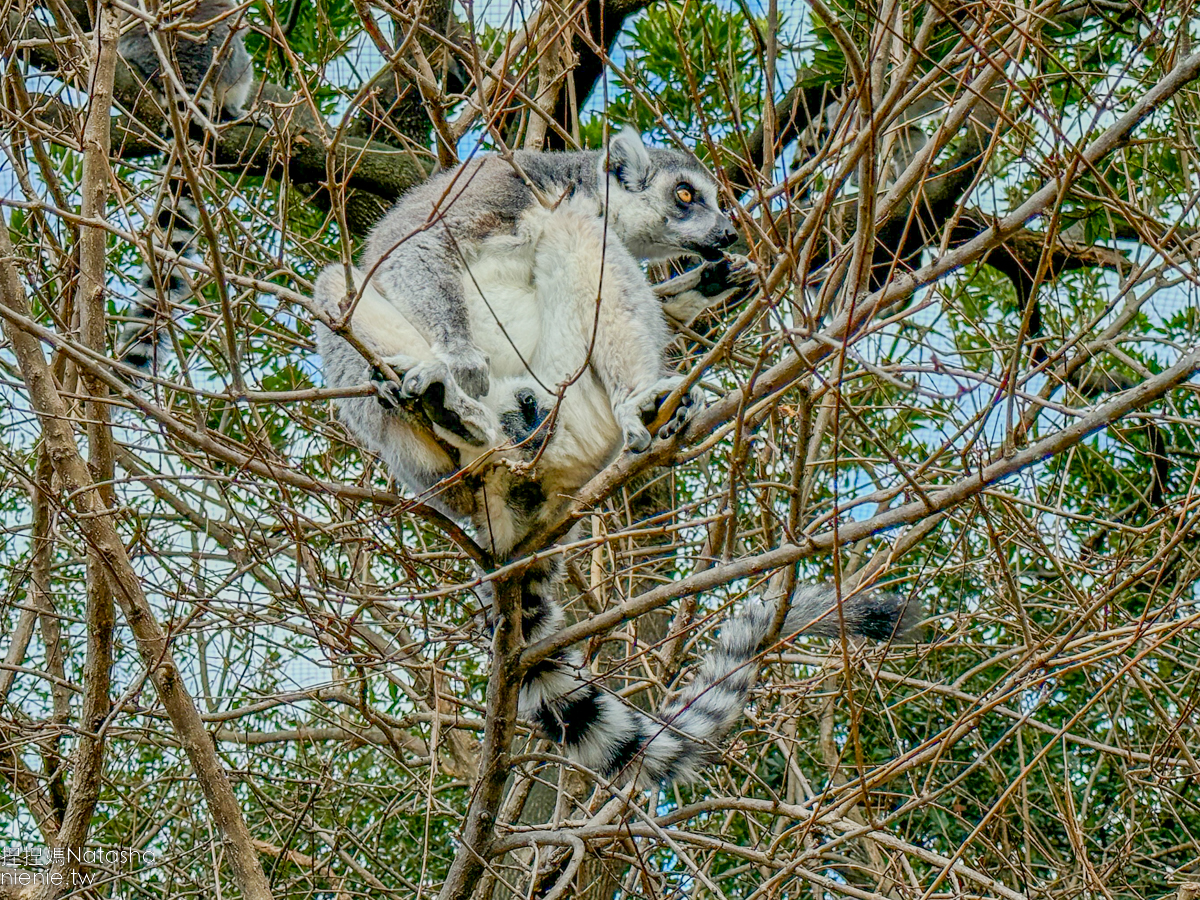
(628, 161)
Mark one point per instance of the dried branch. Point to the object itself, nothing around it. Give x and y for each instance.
(97, 174)
(94, 519)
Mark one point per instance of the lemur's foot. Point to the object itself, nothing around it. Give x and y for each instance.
(429, 386)
(690, 404)
(418, 377)
(389, 394)
(415, 378)
(640, 411)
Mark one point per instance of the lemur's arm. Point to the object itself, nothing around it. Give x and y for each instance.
(422, 277)
(710, 284)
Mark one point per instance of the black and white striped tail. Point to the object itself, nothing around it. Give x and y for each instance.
(605, 734)
(143, 337)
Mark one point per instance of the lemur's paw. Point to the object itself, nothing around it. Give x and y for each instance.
(389, 394)
(456, 416)
(712, 283)
(648, 402)
(742, 269)
(743, 276)
(691, 403)
(469, 367)
(429, 387)
(640, 411)
(651, 402)
(392, 394)
(637, 436)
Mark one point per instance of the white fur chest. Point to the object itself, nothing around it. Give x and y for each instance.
(501, 300)
(522, 315)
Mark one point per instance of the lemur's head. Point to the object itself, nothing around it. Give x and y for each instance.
(661, 203)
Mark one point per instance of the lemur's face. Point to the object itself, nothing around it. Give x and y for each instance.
(662, 203)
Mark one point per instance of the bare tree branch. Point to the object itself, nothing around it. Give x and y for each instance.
(94, 519)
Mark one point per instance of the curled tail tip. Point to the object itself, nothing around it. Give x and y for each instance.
(875, 615)
(884, 616)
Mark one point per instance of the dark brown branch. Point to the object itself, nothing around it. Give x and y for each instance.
(604, 20)
(297, 143)
(801, 105)
(853, 317)
(935, 502)
(219, 450)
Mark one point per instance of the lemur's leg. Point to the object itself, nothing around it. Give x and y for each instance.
(588, 276)
(379, 324)
(401, 430)
(404, 438)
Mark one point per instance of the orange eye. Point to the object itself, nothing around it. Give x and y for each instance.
(684, 193)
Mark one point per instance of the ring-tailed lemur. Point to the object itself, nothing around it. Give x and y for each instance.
(206, 46)
(472, 285)
(499, 312)
(162, 285)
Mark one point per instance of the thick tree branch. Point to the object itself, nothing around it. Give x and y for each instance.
(297, 144)
(97, 175)
(604, 20)
(479, 827)
(18, 884)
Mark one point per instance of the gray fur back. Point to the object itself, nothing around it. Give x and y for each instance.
(194, 51)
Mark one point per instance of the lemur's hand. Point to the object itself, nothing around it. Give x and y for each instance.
(640, 411)
(712, 283)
